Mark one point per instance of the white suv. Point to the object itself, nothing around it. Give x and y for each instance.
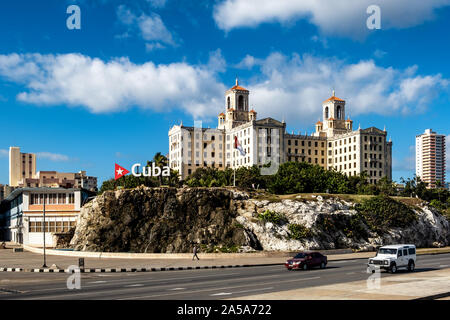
(394, 257)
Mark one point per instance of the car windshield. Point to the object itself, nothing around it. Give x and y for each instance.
(387, 251)
(300, 256)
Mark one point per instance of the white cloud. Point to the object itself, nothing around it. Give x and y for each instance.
(343, 17)
(379, 54)
(157, 3)
(247, 63)
(150, 27)
(4, 153)
(115, 85)
(407, 163)
(290, 87)
(294, 87)
(52, 156)
(153, 46)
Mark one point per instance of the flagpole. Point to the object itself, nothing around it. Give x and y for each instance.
(234, 177)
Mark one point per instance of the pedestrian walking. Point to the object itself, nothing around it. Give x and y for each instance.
(195, 253)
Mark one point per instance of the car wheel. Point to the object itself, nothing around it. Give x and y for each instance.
(411, 266)
(394, 268)
(305, 267)
(322, 265)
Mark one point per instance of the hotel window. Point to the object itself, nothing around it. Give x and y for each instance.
(296, 142)
(289, 142)
(303, 143)
(316, 144)
(71, 198)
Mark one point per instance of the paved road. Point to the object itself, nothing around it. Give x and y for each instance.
(192, 284)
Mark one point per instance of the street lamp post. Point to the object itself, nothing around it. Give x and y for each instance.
(45, 258)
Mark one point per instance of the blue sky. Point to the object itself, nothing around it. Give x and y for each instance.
(85, 99)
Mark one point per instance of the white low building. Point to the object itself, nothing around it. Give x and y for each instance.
(22, 215)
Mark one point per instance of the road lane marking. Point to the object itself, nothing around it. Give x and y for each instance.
(237, 292)
(221, 294)
(443, 266)
(176, 289)
(117, 282)
(215, 289)
(99, 281)
(134, 285)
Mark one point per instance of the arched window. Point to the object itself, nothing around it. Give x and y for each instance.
(228, 102)
(241, 103)
(339, 112)
(326, 113)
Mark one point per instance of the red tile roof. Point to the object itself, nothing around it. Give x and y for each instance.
(333, 98)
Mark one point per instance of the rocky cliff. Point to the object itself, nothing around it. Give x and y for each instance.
(171, 220)
(158, 220)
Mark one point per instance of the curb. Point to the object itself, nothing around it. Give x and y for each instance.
(118, 270)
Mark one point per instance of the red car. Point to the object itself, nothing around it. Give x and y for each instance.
(307, 260)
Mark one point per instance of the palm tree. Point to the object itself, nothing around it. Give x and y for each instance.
(160, 161)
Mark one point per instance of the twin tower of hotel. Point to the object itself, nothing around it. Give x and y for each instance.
(333, 145)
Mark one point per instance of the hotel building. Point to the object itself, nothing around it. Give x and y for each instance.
(430, 158)
(334, 144)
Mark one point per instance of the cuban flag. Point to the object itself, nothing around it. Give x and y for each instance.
(238, 146)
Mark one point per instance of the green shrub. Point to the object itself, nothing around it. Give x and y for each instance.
(272, 216)
(298, 231)
(382, 212)
(438, 205)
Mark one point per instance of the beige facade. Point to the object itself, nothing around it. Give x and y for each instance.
(334, 145)
(21, 166)
(430, 157)
(54, 179)
(22, 173)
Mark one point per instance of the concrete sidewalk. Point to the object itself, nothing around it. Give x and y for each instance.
(30, 260)
(408, 286)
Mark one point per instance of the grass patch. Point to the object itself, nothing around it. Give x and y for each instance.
(272, 216)
(382, 212)
(298, 231)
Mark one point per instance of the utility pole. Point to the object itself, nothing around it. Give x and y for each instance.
(234, 177)
(45, 258)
